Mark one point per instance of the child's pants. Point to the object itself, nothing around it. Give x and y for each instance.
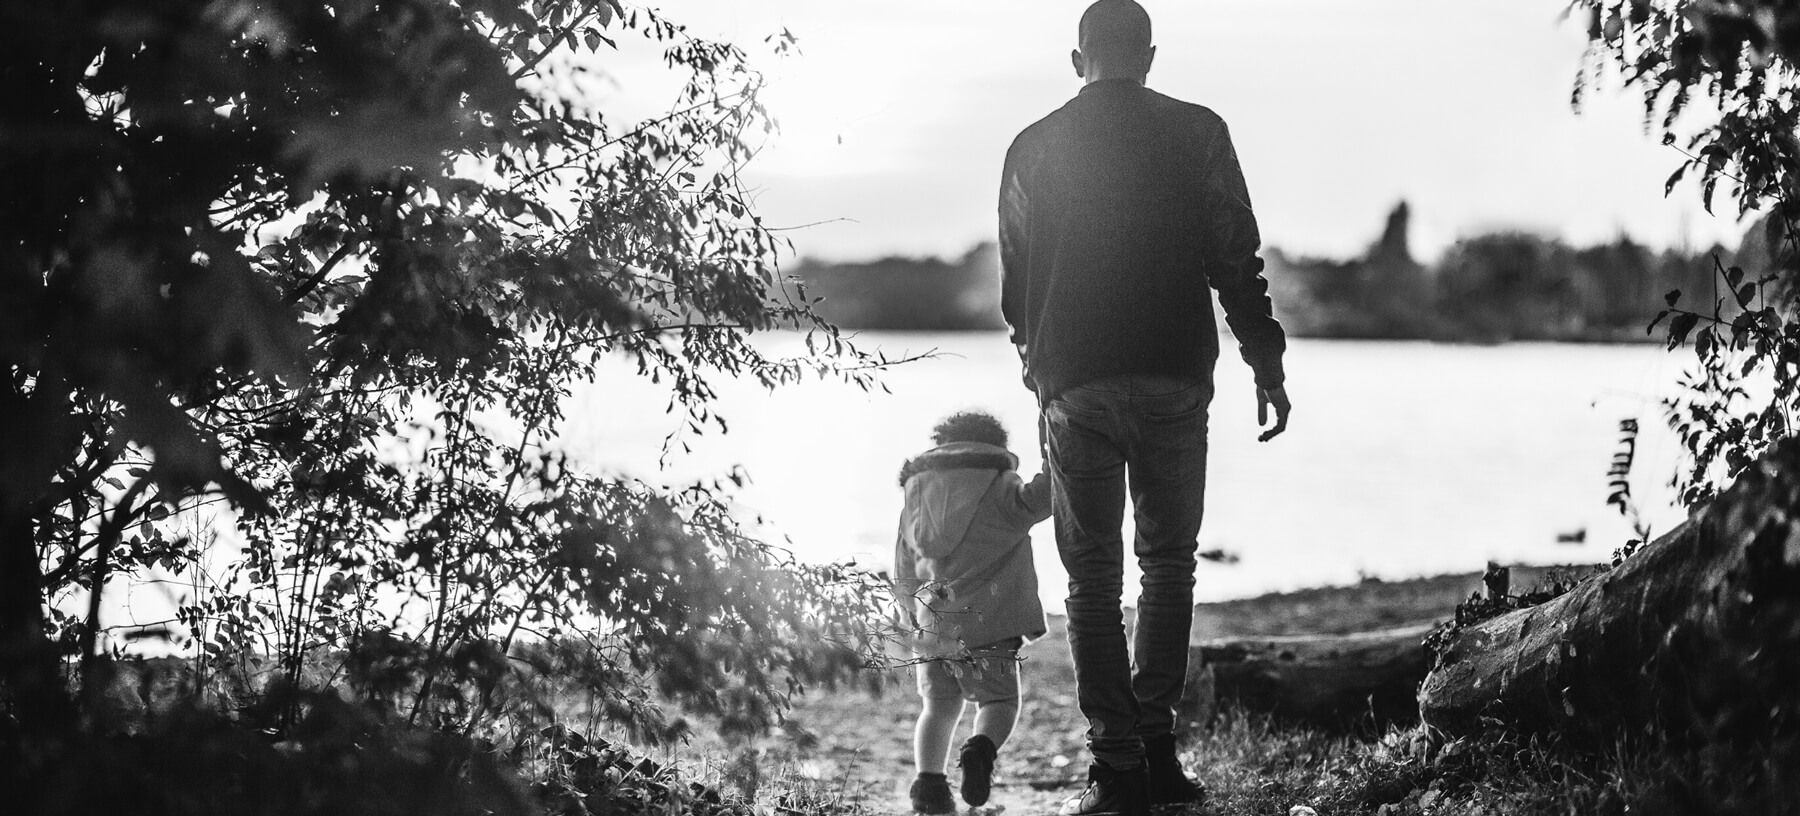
(990, 675)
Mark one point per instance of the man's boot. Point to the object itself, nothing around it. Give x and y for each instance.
(1110, 792)
(1165, 782)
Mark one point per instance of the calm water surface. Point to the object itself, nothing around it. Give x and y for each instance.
(1401, 459)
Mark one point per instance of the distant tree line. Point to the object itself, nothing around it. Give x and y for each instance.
(1487, 288)
(925, 294)
(1492, 287)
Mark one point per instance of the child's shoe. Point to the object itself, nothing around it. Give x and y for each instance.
(931, 794)
(977, 763)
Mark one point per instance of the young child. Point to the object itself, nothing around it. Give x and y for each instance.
(964, 559)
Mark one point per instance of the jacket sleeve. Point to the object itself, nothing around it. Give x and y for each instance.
(1027, 504)
(906, 569)
(1015, 215)
(906, 584)
(1234, 269)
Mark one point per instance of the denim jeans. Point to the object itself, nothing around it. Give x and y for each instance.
(1147, 435)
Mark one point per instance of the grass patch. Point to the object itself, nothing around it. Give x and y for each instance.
(849, 753)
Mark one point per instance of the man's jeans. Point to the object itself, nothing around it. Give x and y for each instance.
(1149, 433)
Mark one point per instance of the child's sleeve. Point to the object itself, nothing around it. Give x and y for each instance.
(905, 584)
(1029, 503)
(906, 569)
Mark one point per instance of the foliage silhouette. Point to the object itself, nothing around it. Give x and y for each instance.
(1738, 58)
(336, 264)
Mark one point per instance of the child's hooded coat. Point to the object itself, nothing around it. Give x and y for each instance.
(964, 546)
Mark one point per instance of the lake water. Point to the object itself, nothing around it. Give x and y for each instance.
(1401, 459)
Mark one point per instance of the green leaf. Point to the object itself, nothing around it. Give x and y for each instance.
(1745, 293)
(1733, 276)
(1671, 297)
(1655, 320)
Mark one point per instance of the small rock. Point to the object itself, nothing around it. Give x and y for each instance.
(1302, 810)
(1060, 761)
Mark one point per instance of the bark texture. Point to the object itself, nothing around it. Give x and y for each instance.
(1698, 632)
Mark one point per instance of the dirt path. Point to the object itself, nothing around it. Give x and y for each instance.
(851, 751)
(865, 741)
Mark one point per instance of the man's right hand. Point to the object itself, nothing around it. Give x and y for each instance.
(1266, 397)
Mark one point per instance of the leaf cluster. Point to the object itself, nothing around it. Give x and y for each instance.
(1739, 57)
(338, 264)
(1744, 395)
(1618, 475)
(1736, 56)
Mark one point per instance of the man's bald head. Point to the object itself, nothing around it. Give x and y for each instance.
(1114, 42)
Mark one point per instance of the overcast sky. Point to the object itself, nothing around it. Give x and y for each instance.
(896, 117)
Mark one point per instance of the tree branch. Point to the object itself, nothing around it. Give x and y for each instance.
(647, 331)
(305, 288)
(108, 537)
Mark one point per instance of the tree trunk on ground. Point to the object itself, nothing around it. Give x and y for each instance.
(1330, 681)
(1699, 632)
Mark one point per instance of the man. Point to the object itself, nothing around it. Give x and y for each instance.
(1117, 212)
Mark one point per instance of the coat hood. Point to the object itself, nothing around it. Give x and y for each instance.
(958, 455)
(944, 486)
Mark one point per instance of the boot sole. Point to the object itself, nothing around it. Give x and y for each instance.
(977, 783)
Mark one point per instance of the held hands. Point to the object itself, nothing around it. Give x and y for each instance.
(1266, 397)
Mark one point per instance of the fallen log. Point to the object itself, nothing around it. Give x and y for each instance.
(1699, 632)
(1330, 681)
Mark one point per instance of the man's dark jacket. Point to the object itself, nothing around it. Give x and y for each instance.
(1116, 213)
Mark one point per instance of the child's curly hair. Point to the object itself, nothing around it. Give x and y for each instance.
(969, 426)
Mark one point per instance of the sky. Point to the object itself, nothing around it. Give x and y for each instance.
(895, 118)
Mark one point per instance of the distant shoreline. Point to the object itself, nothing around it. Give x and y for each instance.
(1489, 288)
(1369, 605)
